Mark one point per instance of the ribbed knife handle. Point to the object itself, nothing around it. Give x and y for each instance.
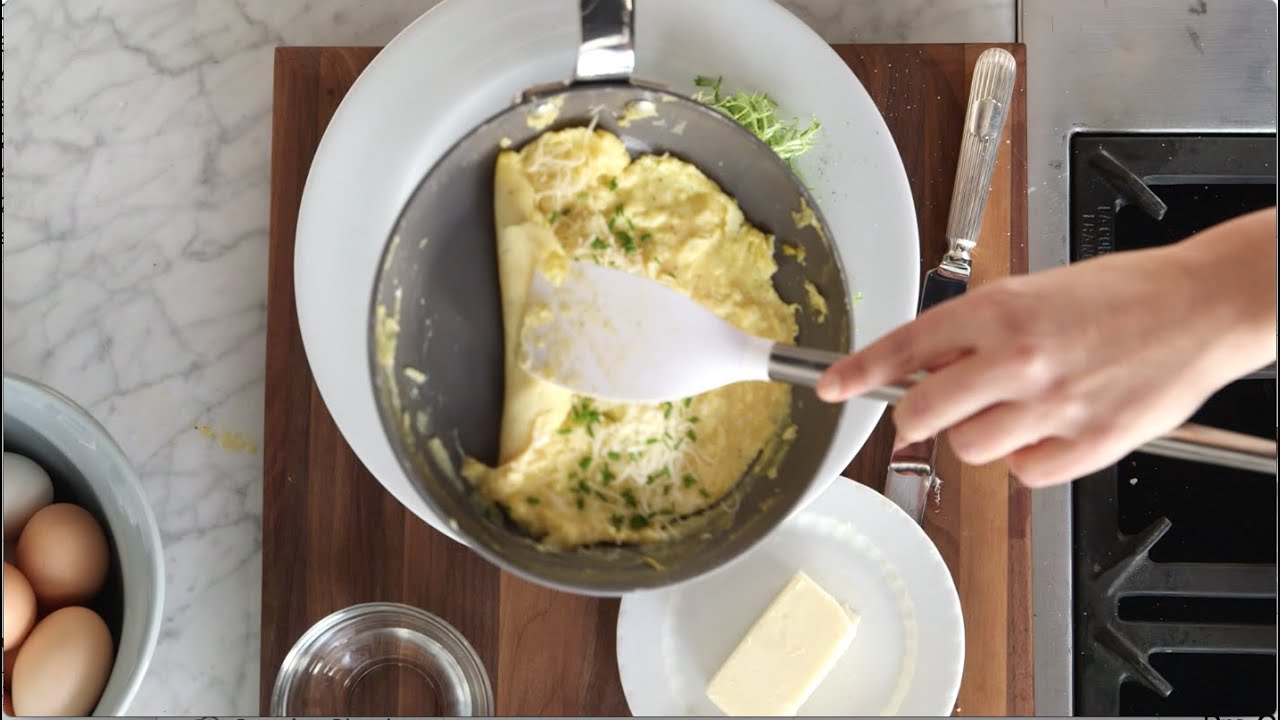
(989, 97)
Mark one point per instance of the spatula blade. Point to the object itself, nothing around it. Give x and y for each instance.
(605, 333)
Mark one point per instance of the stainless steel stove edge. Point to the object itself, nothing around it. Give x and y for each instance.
(1206, 66)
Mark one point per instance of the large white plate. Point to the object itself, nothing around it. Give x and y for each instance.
(907, 656)
(464, 60)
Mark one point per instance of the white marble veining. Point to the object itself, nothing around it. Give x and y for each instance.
(136, 165)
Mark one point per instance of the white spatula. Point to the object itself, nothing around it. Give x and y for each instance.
(616, 336)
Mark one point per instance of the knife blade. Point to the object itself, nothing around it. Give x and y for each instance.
(912, 472)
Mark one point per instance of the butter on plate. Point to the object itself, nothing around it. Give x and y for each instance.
(786, 654)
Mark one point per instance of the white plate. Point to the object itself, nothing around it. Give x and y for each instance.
(906, 658)
(464, 60)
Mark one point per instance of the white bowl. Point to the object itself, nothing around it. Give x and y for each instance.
(89, 469)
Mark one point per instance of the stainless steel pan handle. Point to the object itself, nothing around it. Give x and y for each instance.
(1201, 443)
(608, 51)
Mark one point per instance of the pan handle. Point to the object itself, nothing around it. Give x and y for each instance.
(608, 51)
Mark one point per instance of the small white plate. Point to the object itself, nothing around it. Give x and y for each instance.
(464, 60)
(906, 659)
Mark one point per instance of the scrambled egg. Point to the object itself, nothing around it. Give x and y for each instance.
(573, 471)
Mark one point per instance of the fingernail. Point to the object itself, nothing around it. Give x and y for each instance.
(828, 388)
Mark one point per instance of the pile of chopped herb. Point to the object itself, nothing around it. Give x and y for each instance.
(758, 113)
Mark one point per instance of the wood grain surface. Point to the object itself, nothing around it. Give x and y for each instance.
(980, 518)
(332, 537)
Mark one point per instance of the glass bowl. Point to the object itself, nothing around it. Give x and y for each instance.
(382, 659)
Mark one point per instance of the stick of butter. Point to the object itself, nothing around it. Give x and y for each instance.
(786, 654)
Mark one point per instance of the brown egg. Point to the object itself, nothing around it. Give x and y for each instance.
(19, 607)
(63, 553)
(64, 664)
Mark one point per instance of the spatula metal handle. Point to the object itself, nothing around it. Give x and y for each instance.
(1197, 443)
(803, 366)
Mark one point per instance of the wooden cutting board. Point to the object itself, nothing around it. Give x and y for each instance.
(332, 537)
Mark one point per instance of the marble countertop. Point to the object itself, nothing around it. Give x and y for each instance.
(136, 164)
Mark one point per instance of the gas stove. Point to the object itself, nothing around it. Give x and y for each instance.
(1154, 580)
(1174, 563)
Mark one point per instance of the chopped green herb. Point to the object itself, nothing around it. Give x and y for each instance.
(613, 183)
(630, 225)
(606, 475)
(533, 500)
(686, 402)
(584, 413)
(582, 196)
(633, 455)
(583, 487)
(598, 244)
(617, 521)
(694, 420)
(664, 472)
(629, 498)
(600, 496)
(645, 237)
(564, 431)
(628, 245)
(585, 462)
(666, 489)
(758, 113)
(691, 435)
(613, 455)
(639, 521)
(555, 215)
(689, 480)
(666, 409)
(703, 492)
(580, 503)
(651, 441)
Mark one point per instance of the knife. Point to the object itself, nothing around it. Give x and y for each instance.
(911, 476)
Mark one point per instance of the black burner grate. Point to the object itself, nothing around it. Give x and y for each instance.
(1174, 562)
(1135, 615)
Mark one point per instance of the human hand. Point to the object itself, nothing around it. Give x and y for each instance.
(1066, 371)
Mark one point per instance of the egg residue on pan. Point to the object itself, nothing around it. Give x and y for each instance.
(574, 471)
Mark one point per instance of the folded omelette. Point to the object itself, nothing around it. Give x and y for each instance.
(575, 471)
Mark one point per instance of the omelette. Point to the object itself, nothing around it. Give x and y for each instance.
(575, 471)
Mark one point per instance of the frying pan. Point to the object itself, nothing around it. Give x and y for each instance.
(436, 341)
